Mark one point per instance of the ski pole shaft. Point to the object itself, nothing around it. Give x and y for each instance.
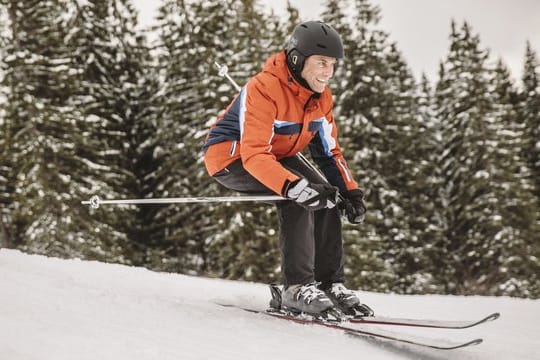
(318, 172)
(95, 201)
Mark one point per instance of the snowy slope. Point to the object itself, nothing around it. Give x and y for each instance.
(70, 309)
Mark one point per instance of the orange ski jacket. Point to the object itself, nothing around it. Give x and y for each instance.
(274, 117)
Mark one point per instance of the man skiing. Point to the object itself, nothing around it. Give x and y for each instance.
(252, 149)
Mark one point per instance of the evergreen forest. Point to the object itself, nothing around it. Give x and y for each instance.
(91, 104)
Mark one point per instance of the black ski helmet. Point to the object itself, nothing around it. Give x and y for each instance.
(311, 38)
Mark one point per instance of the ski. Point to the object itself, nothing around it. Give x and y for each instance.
(275, 304)
(358, 333)
(416, 342)
(426, 323)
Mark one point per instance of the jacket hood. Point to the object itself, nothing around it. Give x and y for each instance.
(277, 66)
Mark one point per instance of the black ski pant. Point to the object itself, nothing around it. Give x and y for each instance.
(310, 241)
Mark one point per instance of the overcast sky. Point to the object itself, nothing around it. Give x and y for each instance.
(421, 27)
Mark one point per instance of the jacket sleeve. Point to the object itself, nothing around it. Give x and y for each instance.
(326, 153)
(257, 114)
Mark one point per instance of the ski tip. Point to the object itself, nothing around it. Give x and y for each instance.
(224, 305)
(475, 342)
(467, 344)
(488, 318)
(493, 316)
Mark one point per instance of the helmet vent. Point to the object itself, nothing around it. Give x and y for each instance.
(321, 46)
(323, 29)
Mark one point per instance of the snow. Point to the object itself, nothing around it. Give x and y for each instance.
(71, 309)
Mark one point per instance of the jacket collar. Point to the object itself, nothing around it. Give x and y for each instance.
(277, 66)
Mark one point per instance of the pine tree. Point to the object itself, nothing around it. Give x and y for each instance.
(531, 113)
(293, 19)
(193, 36)
(530, 117)
(429, 226)
(411, 219)
(513, 189)
(458, 109)
(141, 126)
(40, 140)
(5, 166)
(480, 169)
(110, 94)
(70, 74)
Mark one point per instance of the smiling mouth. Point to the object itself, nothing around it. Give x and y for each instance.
(322, 81)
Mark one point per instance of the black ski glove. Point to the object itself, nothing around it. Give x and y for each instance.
(312, 196)
(353, 206)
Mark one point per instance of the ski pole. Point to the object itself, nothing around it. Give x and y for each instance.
(95, 201)
(340, 198)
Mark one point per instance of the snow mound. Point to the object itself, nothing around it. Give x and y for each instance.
(72, 309)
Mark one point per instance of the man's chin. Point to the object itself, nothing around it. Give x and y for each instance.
(318, 88)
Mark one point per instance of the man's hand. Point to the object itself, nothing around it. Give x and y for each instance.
(354, 206)
(312, 196)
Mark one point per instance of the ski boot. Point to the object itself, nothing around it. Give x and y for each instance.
(347, 301)
(304, 300)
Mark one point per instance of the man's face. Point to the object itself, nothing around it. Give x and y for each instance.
(318, 69)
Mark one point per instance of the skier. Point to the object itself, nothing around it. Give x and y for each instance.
(251, 149)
